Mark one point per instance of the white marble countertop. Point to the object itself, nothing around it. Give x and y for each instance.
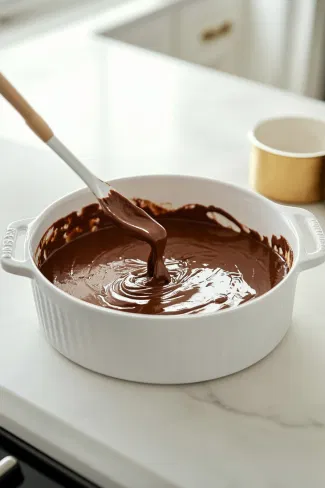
(124, 111)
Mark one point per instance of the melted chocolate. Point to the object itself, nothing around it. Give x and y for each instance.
(135, 221)
(211, 267)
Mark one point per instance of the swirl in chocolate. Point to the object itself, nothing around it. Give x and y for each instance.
(211, 267)
(135, 221)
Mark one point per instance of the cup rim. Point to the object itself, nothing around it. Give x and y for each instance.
(289, 154)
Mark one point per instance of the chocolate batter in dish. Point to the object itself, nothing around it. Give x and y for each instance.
(211, 267)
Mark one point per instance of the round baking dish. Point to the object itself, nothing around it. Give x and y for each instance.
(170, 349)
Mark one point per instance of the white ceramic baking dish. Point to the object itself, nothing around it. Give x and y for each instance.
(170, 349)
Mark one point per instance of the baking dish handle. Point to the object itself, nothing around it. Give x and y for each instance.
(8, 261)
(305, 220)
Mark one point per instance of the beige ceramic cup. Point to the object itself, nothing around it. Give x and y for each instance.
(287, 159)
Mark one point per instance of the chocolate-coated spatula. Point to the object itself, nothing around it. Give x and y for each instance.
(121, 210)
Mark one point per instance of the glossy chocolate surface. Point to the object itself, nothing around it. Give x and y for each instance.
(211, 266)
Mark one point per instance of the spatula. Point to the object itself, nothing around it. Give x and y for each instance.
(122, 211)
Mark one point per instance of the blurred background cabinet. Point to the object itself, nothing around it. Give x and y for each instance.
(205, 32)
(278, 42)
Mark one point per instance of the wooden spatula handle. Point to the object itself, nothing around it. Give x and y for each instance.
(32, 119)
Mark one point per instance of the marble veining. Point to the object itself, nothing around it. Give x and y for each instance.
(211, 397)
(283, 389)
